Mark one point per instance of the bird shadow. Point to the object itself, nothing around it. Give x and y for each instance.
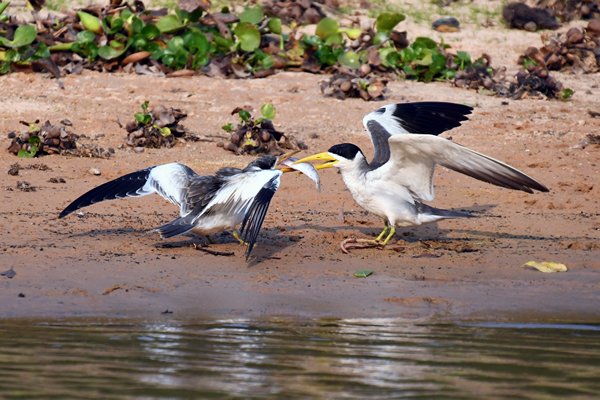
(432, 231)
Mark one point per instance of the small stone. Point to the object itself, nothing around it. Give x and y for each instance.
(138, 150)
(94, 171)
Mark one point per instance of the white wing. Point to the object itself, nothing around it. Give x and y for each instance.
(414, 157)
(168, 180)
(428, 117)
(238, 192)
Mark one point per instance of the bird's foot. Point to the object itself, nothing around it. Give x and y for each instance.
(237, 236)
(354, 243)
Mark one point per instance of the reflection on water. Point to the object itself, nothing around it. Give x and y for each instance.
(277, 358)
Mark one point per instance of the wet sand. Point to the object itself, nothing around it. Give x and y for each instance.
(103, 262)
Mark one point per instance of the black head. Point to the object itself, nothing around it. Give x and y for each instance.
(346, 150)
(264, 162)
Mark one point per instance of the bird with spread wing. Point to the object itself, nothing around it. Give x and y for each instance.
(398, 180)
(207, 203)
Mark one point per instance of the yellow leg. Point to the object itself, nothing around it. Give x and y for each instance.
(236, 235)
(378, 238)
(389, 237)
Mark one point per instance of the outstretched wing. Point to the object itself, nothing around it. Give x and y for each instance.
(427, 117)
(414, 157)
(168, 180)
(256, 213)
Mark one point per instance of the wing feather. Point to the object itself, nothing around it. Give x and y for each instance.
(413, 159)
(168, 180)
(255, 216)
(427, 117)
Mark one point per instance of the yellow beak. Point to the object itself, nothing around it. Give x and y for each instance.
(328, 160)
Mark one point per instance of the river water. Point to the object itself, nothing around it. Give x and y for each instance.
(294, 359)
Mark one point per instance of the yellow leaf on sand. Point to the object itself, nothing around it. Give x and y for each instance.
(546, 266)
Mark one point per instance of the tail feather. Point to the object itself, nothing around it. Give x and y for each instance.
(430, 214)
(176, 227)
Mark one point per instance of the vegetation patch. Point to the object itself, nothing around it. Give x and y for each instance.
(47, 138)
(158, 127)
(258, 135)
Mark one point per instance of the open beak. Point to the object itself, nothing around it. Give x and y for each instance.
(328, 160)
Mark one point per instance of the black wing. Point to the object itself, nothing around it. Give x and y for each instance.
(124, 186)
(430, 117)
(257, 212)
(178, 226)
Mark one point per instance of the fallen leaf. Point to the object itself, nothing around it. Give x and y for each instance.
(363, 273)
(546, 266)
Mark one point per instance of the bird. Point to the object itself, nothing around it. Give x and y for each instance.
(207, 203)
(398, 180)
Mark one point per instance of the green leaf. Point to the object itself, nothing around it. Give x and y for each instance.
(387, 21)
(252, 15)
(85, 37)
(327, 27)
(28, 154)
(196, 42)
(274, 25)
(90, 22)
(424, 43)
(267, 110)
(363, 273)
(228, 127)
(352, 33)
(24, 35)
(143, 118)
(248, 35)
(165, 131)
(169, 23)
(244, 115)
(349, 59)
(3, 7)
(566, 94)
(150, 32)
(110, 52)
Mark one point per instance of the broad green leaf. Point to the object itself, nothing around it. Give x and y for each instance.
(327, 27)
(197, 42)
(165, 131)
(244, 115)
(110, 52)
(228, 127)
(150, 32)
(387, 21)
(424, 43)
(275, 25)
(363, 273)
(90, 22)
(85, 37)
(248, 35)
(252, 15)
(169, 23)
(267, 110)
(426, 60)
(380, 38)
(352, 33)
(349, 59)
(24, 35)
(546, 266)
(176, 44)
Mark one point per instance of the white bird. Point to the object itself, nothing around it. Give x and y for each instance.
(207, 204)
(399, 179)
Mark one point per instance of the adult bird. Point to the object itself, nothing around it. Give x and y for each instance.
(399, 178)
(207, 204)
